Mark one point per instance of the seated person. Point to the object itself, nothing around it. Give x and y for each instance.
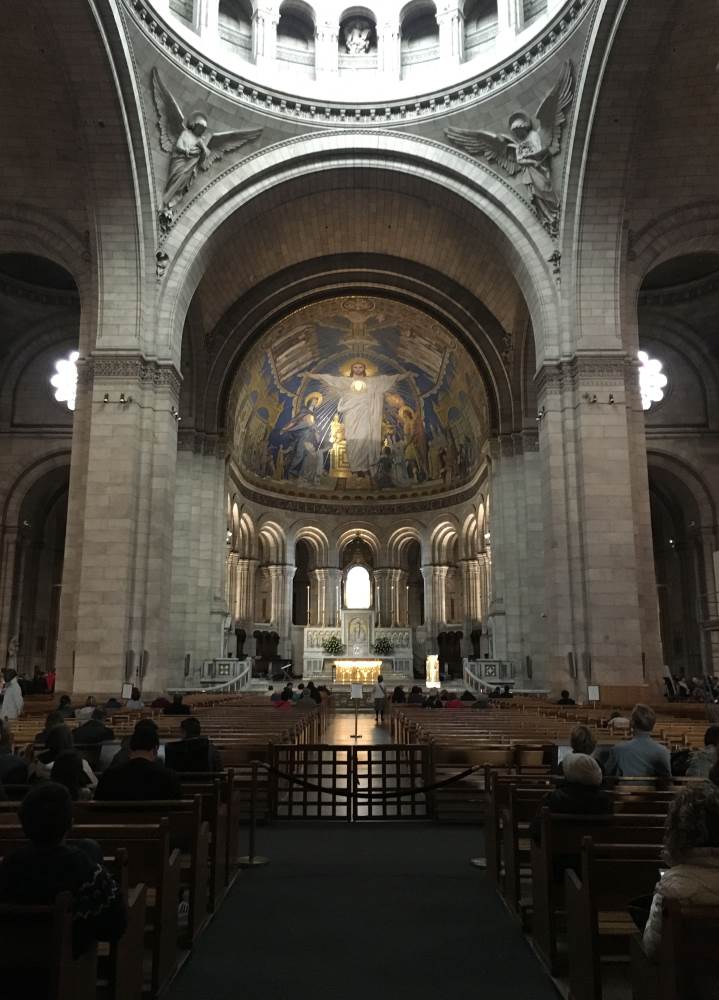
(467, 696)
(177, 707)
(640, 757)
(618, 723)
(59, 740)
(398, 696)
(454, 703)
(702, 761)
(68, 771)
(65, 707)
(481, 701)
(194, 752)
(112, 704)
(141, 777)
(38, 873)
(13, 769)
(53, 719)
(580, 794)
(93, 731)
(564, 699)
(691, 847)
(135, 702)
(285, 700)
(274, 695)
(415, 696)
(85, 713)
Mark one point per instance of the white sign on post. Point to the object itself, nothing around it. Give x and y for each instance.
(356, 692)
(593, 693)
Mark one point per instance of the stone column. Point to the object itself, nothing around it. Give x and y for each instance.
(198, 603)
(400, 611)
(245, 599)
(11, 546)
(484, 568)
(264, 33)
(326, 50)
(281, 577)
(383, 593)
(600, 588)
(388, 50)
(514, 613)
(333, 580)
(116, 577)
(451, 33)
(206, 19)
(435, 599)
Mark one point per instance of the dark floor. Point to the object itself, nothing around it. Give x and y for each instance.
(358, 912)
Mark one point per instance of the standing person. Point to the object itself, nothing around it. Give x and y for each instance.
(13, 702)
(380, 699)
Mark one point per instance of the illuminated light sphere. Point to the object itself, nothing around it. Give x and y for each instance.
(652, 381)
(64, 382)
(358, 385)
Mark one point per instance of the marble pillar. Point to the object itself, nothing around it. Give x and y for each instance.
(388, 49)
(206, 19)
(450, 19)
(116, 576)
(264, 32)
(281, 579)
(600, 589)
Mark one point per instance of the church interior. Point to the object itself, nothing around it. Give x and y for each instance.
(345, 342)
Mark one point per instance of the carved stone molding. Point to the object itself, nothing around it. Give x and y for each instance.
(216, 77)
(680, 293)
(368, 506)
(596, 370)
(129, 366)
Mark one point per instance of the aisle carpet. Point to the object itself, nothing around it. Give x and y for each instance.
(363, 912)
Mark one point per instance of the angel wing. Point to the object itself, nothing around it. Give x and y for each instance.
(495, 148)
(227, 142)
(170, 119)
(550, 113)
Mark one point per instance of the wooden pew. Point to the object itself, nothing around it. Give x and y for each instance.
(36, 958)
(498, 785)
(150, 860)
(522, 807)
(598, 921)
(561, 839)
(120, 963)
(188, 831)
(687, 969)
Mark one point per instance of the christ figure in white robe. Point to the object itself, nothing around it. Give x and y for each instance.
(361, 406)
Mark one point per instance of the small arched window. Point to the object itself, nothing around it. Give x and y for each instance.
(358, 588)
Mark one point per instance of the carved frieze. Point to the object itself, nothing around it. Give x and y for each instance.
(126, 367)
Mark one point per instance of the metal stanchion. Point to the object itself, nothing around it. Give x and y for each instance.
(253, 860)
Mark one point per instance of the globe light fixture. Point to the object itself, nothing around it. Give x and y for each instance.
(64, 381)
(652, 381)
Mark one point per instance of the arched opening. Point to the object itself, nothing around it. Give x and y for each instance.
(37, 572)
(235, 26)
(303, 599)
(419, 43)
(296, 38)
(357, 575)
(357, 40)
(480, 27)
(415, 585)
(679, 562)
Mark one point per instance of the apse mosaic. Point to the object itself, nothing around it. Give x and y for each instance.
(359, 394)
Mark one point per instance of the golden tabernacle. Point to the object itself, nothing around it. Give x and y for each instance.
(357, 671)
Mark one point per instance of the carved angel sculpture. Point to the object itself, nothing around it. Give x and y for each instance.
(190, 145)
(527, 153)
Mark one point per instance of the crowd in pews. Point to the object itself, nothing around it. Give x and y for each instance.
(608, 859)
(120, 835)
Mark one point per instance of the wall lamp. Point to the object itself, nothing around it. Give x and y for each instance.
(541, 414)
(123, 400)
(175, 415)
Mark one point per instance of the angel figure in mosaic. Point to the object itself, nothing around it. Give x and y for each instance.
(192, 147)
(528, 151)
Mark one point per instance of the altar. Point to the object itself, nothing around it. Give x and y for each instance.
(357, 650)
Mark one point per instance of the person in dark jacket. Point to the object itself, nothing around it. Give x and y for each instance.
(177, 707)
(65, 707)
(36, 874)
(142, 777)
(52, 720)
(580, 794)
(194, 752)
(94, 731)
(13, 769)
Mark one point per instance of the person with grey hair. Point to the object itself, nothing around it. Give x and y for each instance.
(642, 756)
(580, 794)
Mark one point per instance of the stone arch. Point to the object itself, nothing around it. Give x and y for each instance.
(367, 534)
(318, 542)
(272, 541)
(445, 536)
(689, 482)
(50, 331)
(399, 540)
(519, 239)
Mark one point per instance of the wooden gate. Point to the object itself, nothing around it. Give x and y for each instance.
(350, 784)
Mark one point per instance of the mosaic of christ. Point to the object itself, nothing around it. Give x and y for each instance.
(360, 394)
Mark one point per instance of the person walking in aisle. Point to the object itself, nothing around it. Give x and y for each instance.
(380, 699)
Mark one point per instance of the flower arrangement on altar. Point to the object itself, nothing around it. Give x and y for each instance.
(333, 645)
(383, 647)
